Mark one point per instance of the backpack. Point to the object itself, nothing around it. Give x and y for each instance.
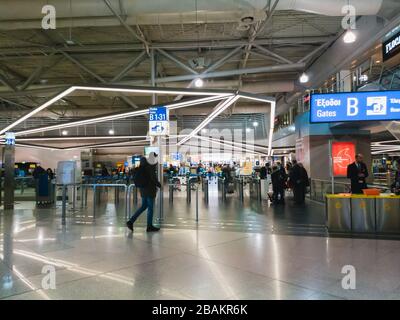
(140, 178)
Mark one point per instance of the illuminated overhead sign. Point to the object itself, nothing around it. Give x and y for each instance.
(158, 121)
(355, 106)
(343, 154)
(391, 46)
(10, 138)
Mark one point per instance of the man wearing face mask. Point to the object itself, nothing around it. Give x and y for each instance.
(357, 172)
(146, 180)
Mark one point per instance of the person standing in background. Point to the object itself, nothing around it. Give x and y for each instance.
(357, 172)
(395, 187)
(278, 185)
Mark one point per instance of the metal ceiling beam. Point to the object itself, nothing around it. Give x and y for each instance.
(6, 82)
(177, 61)
(12, 52)
(127, 26)
(132, 64)
(222, 60)
(257, 29)
(273, 54)
(264, 56)
(39, 71)
(227, 73)
(15, 103)
(214, 66)
(315, 51)
(96, 76)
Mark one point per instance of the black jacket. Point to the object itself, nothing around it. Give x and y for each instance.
(278, 179)
(357, 183)
(150, 190)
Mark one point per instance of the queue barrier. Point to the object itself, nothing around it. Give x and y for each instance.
(239, 187)
(205, 185)
(222, 187)
(363, 214)
(112, 185)
(255, 189)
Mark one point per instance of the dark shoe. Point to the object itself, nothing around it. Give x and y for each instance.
(129, 224)
(152, 229)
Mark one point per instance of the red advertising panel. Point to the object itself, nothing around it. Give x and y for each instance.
(343, 154)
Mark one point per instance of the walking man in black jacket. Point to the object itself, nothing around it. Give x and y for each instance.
(357, 172)
(147, 182)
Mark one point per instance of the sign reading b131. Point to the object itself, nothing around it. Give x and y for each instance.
(355, 106)
(158, 121)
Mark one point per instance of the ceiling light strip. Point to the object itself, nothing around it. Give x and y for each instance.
(157, 90)
(219, 109)
(38, 109)
(171, 106)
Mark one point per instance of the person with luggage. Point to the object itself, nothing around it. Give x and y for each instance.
(146, 180)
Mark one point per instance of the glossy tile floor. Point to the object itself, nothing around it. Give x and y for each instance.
(103, 260)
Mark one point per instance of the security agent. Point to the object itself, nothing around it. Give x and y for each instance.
(357, 172)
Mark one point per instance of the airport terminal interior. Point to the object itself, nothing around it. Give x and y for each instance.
(260, 138)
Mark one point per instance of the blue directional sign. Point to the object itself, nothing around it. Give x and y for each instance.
(10, 138)
(158, 121)
(355, 106)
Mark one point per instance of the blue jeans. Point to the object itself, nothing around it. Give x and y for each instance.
(147, 203)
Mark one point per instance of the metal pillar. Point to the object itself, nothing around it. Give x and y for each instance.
(9, 181)
(160, 199)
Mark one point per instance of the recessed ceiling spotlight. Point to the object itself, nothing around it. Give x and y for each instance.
(304, 78)
(111, 131)
(349, 37)
(198, 83)
(64, 132)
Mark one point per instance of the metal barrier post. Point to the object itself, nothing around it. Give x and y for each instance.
(188, 191)
(73, 197)
(223, 189)
(86, 192)
(205, 188)
(258, 184)
(94, 201)
(197, 204)
(64, 203)
(81, 195)
(241, 190)
(171, 193)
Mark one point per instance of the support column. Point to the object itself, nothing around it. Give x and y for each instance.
(9, 182)
(158, 142)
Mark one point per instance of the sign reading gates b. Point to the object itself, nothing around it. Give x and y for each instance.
(158, 121)
(355, 106)
(343, 154)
